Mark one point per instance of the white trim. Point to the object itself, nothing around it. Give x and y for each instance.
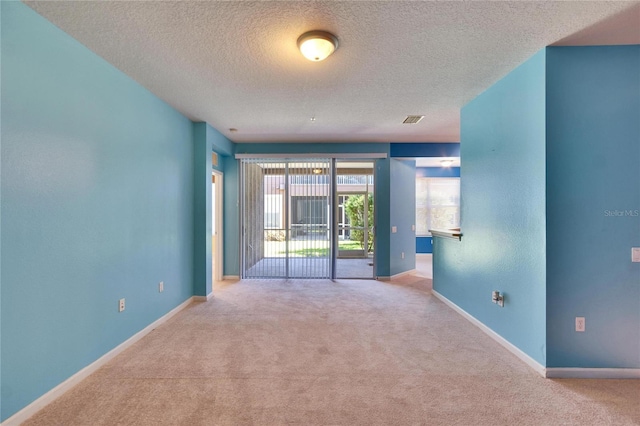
(65, 386)
(410, 271)
(217, 275)
(203, 298)
(539, 368)
(593, 373)
(389, 278)
(315, 155)
(231, 277)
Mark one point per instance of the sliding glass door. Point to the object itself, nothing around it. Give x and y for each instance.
(307, 218)
(355, 219)
(286, 207)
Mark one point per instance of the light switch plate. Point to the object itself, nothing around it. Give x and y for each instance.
(394, 229)
(635, 254)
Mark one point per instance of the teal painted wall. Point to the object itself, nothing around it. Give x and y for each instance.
(593, 170)
(382, 189)
(0, 218)
(312, 148)
(382, 204)
(219, 143)
(424, 149)
(438, 172)
(231, 236)
(97, 204)
(502, 211)
(207, 140)
(202, 211)
(402, 214)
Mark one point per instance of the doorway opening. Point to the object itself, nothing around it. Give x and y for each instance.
(355, 219)
(216, 226)
(307, 218)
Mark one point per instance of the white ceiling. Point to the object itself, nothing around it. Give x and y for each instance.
(236, 65)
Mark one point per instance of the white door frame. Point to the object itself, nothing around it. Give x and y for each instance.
(219, 218)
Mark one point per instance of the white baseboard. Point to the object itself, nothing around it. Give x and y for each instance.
(551, 373)
(389, 278)
(231, 277)
(593, 373)
(63, 387)
(410, 271)
(203, 298)
(535, 365)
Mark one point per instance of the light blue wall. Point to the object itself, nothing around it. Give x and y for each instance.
(382, 199)
(206, 141)
(202, 211)
(503, 211)
(402, 213)
(424, 149)
(0, 221)
(443, 172)
(231, 214)
(219, 143)
(97, 204)
(593, 166)
(312, 148)
(382, 188)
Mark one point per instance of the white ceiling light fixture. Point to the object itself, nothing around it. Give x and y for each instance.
(317, 45)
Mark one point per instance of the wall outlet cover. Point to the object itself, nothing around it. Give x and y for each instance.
(635, 254)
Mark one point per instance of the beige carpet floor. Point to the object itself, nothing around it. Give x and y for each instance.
(330, 353)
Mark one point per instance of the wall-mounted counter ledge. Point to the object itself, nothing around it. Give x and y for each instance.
(453, 233)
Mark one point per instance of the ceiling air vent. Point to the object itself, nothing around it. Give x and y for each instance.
(412, 119)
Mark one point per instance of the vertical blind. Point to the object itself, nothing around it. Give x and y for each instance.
(286, 218)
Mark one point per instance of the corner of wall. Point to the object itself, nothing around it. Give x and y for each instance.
(502, 211)
(203, 148)
(593, 205)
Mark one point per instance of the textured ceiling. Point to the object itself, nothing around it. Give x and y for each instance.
(236, 65)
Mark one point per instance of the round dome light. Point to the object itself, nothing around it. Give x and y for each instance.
(317, 45)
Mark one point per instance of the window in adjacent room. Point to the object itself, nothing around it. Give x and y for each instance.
(437, 204)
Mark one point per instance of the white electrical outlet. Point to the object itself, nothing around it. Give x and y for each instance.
(635, 254)
(413, 227)
(394, 229)
(161, 286)
(121, 305)
(580, 324)
(402, 255)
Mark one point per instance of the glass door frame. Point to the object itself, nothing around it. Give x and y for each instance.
(335, 211)
(332, 223)
(249, 233)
